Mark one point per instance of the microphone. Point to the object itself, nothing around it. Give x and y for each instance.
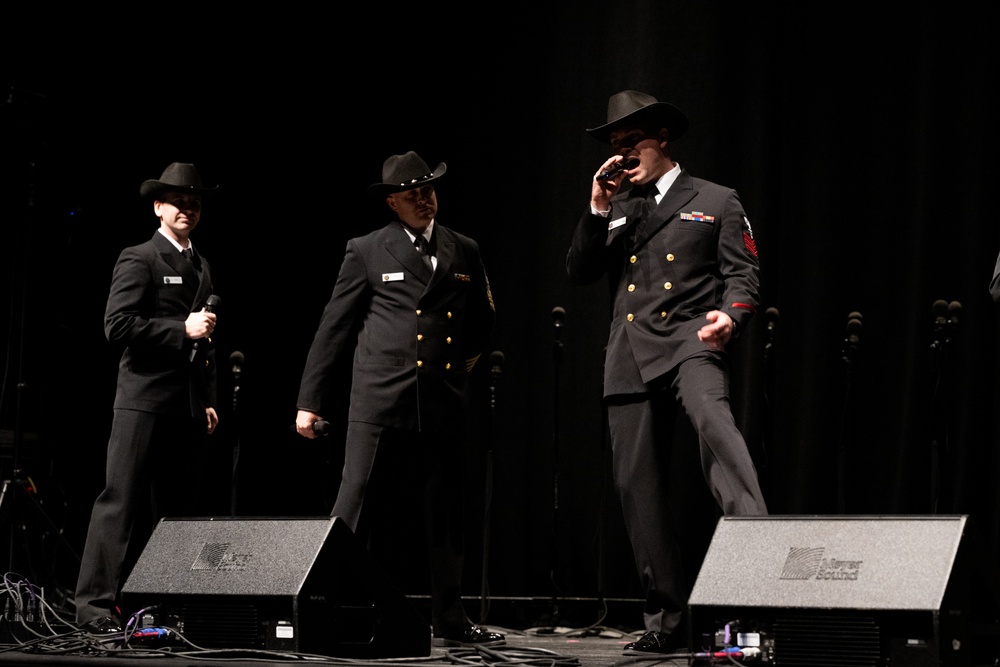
(853, 335)
(496, 362)
(236, 361)
(940, 311)
(630, 162)
(772, 315)
(496, 365)
(558, 319)
(319, 427)
(211, 304)
(772, 326)
(854, 331)
(954, 310)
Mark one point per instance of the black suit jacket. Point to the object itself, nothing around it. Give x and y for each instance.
(153, 290)
(413, 340)
(695, 253)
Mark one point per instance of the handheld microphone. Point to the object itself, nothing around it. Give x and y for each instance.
(319, 427)
(211, 304)
(630, 162)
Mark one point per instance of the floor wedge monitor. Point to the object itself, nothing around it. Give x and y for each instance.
(830, 591)
(302, 585)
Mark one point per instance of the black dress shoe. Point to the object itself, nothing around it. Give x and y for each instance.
(105, 625)
(656, 642)
(471, 635)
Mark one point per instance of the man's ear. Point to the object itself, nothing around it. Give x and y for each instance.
(390, 202)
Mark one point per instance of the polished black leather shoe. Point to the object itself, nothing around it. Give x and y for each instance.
(471, 635)
(655, 642)
(105, 625)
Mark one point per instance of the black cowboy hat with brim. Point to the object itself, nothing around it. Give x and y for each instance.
(180, 177)
(405, 172)
(631, 107)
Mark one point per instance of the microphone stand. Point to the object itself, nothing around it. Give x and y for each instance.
(772, 328)
(484, 605)
(236, 360)
(851, 343)
(558, 315)
(601, 528)
(945, 323)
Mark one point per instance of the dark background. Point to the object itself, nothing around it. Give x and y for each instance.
(861, 139)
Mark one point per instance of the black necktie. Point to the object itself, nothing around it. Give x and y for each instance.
(649, 200)
(188, 255)
(647, 194)
(425, 252)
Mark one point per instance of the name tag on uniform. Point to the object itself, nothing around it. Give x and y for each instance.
(391, 277)
(172, 280)
(617, 223)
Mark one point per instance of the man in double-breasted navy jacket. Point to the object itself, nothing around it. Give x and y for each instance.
(682, 268)
(166, 398)
(412, 308)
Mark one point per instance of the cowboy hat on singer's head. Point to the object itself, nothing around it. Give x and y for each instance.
(179, 176)
(405, 172)
(632, 107)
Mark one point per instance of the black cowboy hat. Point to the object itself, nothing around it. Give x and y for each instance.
(630, 106)
(405, 172)
(180, 176)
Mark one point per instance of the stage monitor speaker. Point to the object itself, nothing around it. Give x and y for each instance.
(302, 585)
(834, 591)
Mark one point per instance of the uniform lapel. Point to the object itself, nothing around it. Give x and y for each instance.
(402, 249)
(176, 261)
(679, 194)
(444, 246)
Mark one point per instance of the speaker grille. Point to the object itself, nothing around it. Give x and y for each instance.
(221, 625)
(827, 641)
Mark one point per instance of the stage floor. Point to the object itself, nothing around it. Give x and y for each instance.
(557, 647)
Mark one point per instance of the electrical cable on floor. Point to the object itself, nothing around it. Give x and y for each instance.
(536, 657)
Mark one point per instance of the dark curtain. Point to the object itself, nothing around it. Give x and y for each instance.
(861, 140)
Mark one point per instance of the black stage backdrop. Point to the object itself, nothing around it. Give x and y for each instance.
(860, 138)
